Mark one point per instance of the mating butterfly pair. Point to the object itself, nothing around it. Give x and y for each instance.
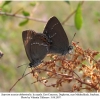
(53, 40)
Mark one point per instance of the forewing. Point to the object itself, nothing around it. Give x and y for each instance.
(27, 36)
(56, 33)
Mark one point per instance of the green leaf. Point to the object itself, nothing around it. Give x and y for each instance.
(97, 14)
(32, 3)
(23, 22)
(5, 3)
(78, 17)
(25, 13)
(6, 9)
(68, 2)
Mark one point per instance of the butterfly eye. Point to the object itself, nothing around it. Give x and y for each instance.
(31, 64)
(70, 48)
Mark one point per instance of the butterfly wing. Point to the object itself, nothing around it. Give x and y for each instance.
(36, 46)
(39, 48)
(56, 33)
(27, 39)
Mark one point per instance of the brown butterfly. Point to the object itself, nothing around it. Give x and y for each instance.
(36, 46)
(53, 40)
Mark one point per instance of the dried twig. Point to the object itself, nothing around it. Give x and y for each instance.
(18, 81)
(18, 11)
(70, 15)
(20, 16)
(84, 76)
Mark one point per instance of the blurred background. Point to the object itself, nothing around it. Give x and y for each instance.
(11, 43)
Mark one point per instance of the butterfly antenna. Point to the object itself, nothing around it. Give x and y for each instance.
(24, 71)
(72, 38)
(25, 68)
(22, 65)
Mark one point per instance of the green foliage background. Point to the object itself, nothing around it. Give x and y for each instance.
(11, 43)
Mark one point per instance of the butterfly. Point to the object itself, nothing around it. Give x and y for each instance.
(36, 46)
(55, 32)
(53, 40)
